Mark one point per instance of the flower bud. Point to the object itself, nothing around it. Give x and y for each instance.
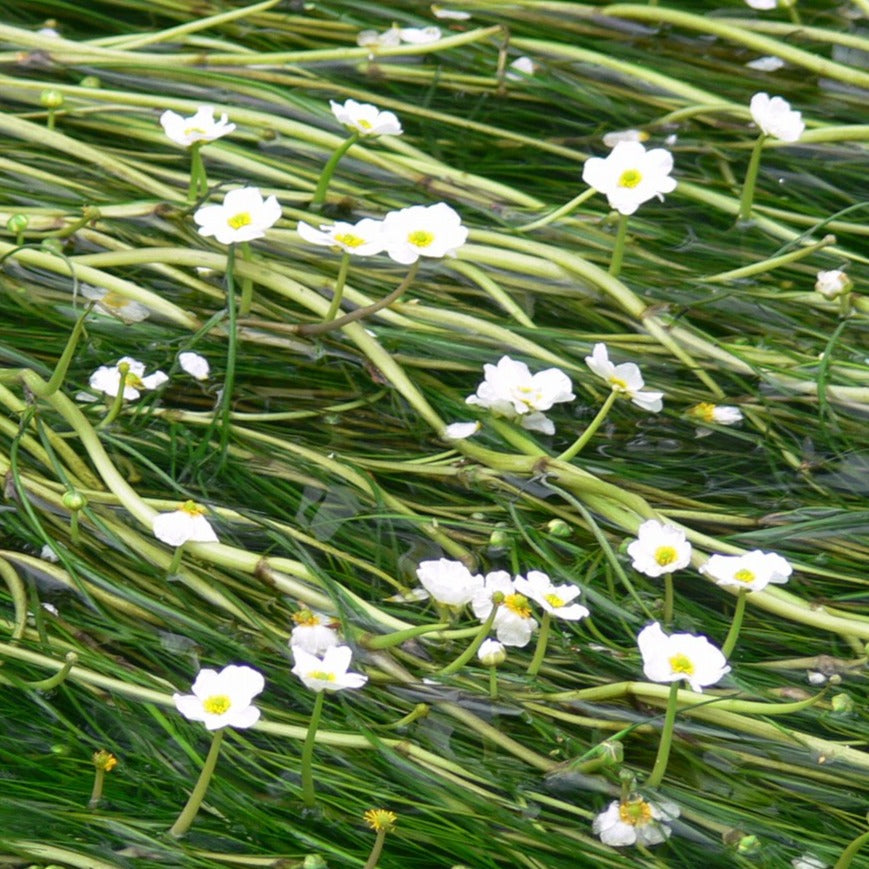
(748, 845)
(51, 98)
(75, 501)
(843, 704)
(104, 760)
(833, 284)
(90, 81)
(558, 528)
(17, 223)
(492, 653)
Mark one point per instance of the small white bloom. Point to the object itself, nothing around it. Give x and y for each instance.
(366, 119)
(449, 582)
(48, 554)
(328, 673)
(635, 821)
(372, 39)
(768, 63)
(513, 621)
(449, 14)
(808, 861)
(423, 230)
(751, 572)
(195, 365)
(201, 127)
(188, 522)
(419, 35)
(833, 283)
(815, 677)
(50, 608)
(630, 175)
(107, 378)
(612, 139)
(520, 68)
(659, 549)
(510, 389)
(315, 633)
(491, 653)
(458, 431)
(223, 699)
(116, 305)
(555, 599)
(243, 216)
(719, 414)
(680, 656)
(764, 5)
(364, 238)
(625, 379)
(775, 117)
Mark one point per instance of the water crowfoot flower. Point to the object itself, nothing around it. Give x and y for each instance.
(624, 379)
(423, 230)
(108, 378)
(635, 821)
(187, 523)
(242, 216)
(195, 365)
(104, 761)
(115, 305)
(492, 654)
(366, 119)
(513, 621)
(382, 822)
(659, 550)
(714, 414)
(314, 633)
(835, 284)
(449, 582)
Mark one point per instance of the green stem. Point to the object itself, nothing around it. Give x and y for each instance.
(97, 792)
(176, 561)
(396, 638)
(307, 769)
(559, 212)
(668, 599)
(493, 683)
(62, 366)
(542, 639)
(474, 646)
(850, 852)
(735, 625)
(339, 288)
(58, 678)
(246, 283)
(188, 813)
(74, 535)
(619, 246)
(660, 766)
(751, 179)
(376, 850)
(577, 446)
(118, 401)
(329, 170)
(794, 14)
(229, 376)
(198, 180)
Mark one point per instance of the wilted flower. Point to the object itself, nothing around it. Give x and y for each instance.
(419, 35)
(423, 230)
(775, 117)
(107, 378)
(635, 821)
(719, 414)
(195, 365)
(751, 572)
(625, 379)
(555, 599)
(366, 119)
(314, 633)
(520, 68)
(116, 305)
(630, 175)
(680, 656)
(201, 127)
(513, 623)
(491, 653)
(458, 431)
(449, 582)
(833, 283)
(223, 699)
(328, 673)
(659, 549)
(187, 523)
(104, 760)
(768, 63)
(363, 238)
(510, 389)
(243, 216)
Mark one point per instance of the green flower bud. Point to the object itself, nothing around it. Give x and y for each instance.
(17, 223)
(51, 98)
(558, 528)
(73, 500)
(843, 704)
(90, 81)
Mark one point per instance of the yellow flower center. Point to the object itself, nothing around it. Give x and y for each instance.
(630, 178)
(322, 676)
(635, 812)
(305, 617)
(349, 240)
(113, 300)
(217, 704)
(665, 555)
(518, 604)
(421, 238)
(554, 600)
(744, 575)
(237, 221)
(192, 509)
(705, 411)
(380, 819)
(133, 380)
(189, 131)
(682, 664)
(366, 125)
(618, 384)
(104, 760)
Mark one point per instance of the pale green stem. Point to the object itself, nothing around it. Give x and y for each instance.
(660, 766)
(58, 678)
(97, 791)
(59, 373)
(339, 288)
(751, 179)
(198, 180)
(493, 683)
(668, 598)
(307, 768)
(229, 376)
(188, 813)
(176, 561)
(559, 212)
(246, 283)
(578, 445)
(845, 305)
(396, 638)
(850, 852)
(73, 528)
(376, 850)
(329, 170)
(768, 265)
(469, 653)
(736, 624)
(794, 14)
(118, 401)
(542, 640)
(619, 246)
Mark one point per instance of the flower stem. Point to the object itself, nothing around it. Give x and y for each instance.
(118, 401)
(308, 751)
(396, 638)
(850, 852)
(229, 376)
(376, 850)
(577, 446)
(475, 644)
(58, 678)
(97, 792)
(188, 813)
(59, 373)
(339, 288)
(735, 625)
(542, 639)
(329, 170)
(176, 561)
(198, 180)
(660, 766)
(493, 683)
(246, 283)
(751, 179)
(619, 246)
(668, 598)
(559, 212)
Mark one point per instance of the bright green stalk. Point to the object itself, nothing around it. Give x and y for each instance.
(188, 813)
(308, 751)
(493, 683)
(559, 212)
(329, 170)
(850, 852)
(339, 288)
(619, 246)
(58, 678)
(229, 376)
(176, 561)
(736, 624)
(246, 283)
(62, 366)
(577, 446)
(540, 650)
(668, 598)
(396, 638)
(475, 644)
(198, 181)
(660, 766)
(751, 179)
(118, 401)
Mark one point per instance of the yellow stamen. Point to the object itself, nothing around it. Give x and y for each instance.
(618, 383)
(554, 601)
(189, 131)
(306, 617)
(421, 238)
(630, 178)
(322, 676)
(366, 125)
(665, 555)
(635, 812)
(380, 819)
(518, 604)
(237, 221)
(705, 411)
(217, 704)
(744, 575)
(681, 663)
(349, 240)
(104, 760)
(192, 509)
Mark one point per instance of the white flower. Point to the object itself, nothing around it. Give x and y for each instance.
(555, 599)
(775, 117)
(364, 238)
(366, 119)
(768, 63)
(195, 365)
(751, 572)
(107, 378)
(243, 216)
(513, 621)
(510, 389)
(200, 127)
(372, 39)
(328, 673)
(612, 139)
(764, 5)
(449, 582)
(680, 656)
(186, 523)
(116, 305)
(808, 861)
(635, 821)
(314, 633)
(449, 14)
(815, 677)
(423, 230)
(720, 414)
(833, 284)
(458, 431)
(625, 379)
(223, 699)
(48, 554)
(659, 549)
(520, 68)
(419, 35)
(491, 653)
(630, 175)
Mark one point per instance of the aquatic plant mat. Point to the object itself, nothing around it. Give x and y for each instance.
(320, 458)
